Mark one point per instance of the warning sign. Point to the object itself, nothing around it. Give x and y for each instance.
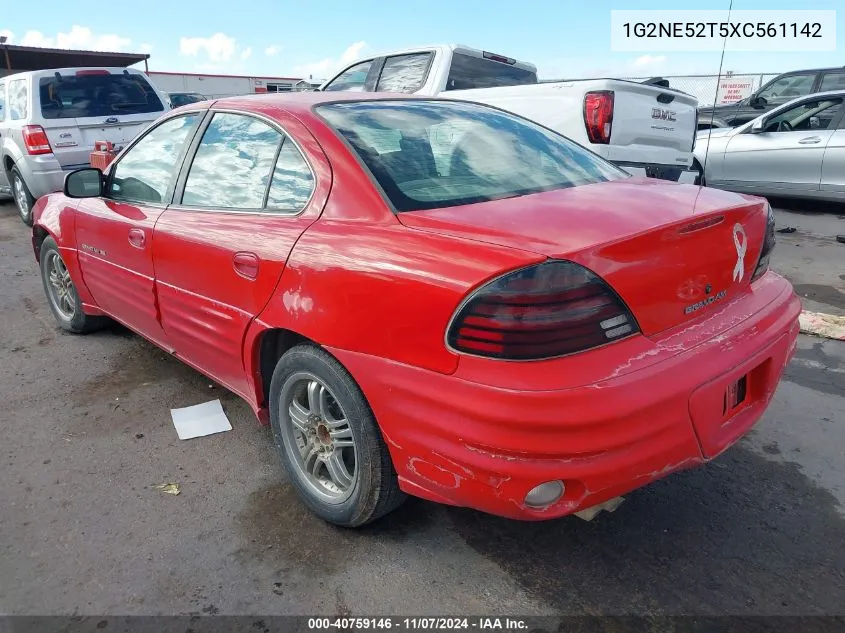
(732, 89)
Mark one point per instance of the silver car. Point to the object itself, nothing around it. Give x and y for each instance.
(50, 120)
(795, 151)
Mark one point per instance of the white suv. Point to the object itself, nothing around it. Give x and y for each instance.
(50, 120)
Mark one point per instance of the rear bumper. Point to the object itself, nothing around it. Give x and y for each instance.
(42, 174)
(464, 443)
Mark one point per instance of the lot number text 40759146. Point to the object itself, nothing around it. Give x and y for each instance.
(416, 623)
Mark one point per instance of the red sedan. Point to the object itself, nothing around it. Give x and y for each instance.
(431, 297)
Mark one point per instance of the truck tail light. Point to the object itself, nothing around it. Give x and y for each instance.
(35, 140)
(598, 115)
(543, 311)
(768, 246)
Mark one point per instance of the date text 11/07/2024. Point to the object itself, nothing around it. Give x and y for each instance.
(417, 623)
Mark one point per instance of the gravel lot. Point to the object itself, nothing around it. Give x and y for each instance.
(86, 432)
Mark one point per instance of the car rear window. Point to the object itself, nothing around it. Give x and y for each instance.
(433, 154)
(468, 72)
(97, 95)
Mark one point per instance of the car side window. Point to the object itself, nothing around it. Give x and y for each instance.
(2, 100)
(808, 116)
(292, 182)
(17, 99)
(404, 73)
(787, 88)
(145, 173)
(833, 81)
(352, 79)
(233, 163)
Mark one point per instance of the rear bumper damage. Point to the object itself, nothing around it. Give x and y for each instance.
(665, 409)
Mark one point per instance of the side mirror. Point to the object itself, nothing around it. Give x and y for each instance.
(757, 126)
(758, 102)
(84, 183)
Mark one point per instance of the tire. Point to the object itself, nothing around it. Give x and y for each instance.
(65, 304)
(21, 195)
(330, 405)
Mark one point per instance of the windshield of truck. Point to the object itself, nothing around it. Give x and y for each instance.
(433, 154)
(97, 94)
(468, 72)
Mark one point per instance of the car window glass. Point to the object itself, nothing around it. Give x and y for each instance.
(233, 162)
(448, 154)
(292, 182)
(352, 78)
(97, 93)
(810, 115)
(833, 81)
(2, 100)
(467, 72)
(147, 169)
(787, 88)
(403, 73)
(17, 99)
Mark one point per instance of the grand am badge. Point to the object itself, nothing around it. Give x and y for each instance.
(741, 244)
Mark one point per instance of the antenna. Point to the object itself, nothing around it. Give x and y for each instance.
(715, 97)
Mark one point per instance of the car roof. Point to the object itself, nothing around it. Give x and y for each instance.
(303, 102)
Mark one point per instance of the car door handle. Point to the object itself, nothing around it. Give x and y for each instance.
(810, 140)
(137, 238)
(246, 264)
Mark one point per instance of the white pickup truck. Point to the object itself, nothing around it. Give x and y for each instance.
(646, 129)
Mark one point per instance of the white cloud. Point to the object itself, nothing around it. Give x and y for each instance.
(7, 34)
(649, 61)
(145, 48)
(272, 51)
(218, 48)
(324, 68)
(78, 38)
(246, 53)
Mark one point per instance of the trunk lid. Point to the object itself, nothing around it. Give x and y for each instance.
(672, 252)
(650, 116)
(73, 140)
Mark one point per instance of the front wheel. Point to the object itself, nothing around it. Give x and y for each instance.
(62, 296)
(23, 198)
(329, 441)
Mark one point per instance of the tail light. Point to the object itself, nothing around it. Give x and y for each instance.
(543, 311)
(35, 140)
(768, 246)
(598, 115)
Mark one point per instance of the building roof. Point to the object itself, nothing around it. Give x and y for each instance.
(163, 72)
(22, 58)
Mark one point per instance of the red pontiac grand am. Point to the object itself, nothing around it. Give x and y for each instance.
(431, 297)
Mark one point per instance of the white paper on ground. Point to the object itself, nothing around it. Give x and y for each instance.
(199, 420)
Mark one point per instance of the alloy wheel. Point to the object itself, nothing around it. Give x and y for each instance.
(61, 290)
(326, 455)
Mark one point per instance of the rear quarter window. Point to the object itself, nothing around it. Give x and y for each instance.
(97, 95)
(2, 100)
(17, 100)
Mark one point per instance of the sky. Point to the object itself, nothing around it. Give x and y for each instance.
(564, 38)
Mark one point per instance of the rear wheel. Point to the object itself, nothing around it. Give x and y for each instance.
(329, 441)
(64, 301)
(23, 198)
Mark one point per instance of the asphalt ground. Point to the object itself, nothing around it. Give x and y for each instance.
(85, 432)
